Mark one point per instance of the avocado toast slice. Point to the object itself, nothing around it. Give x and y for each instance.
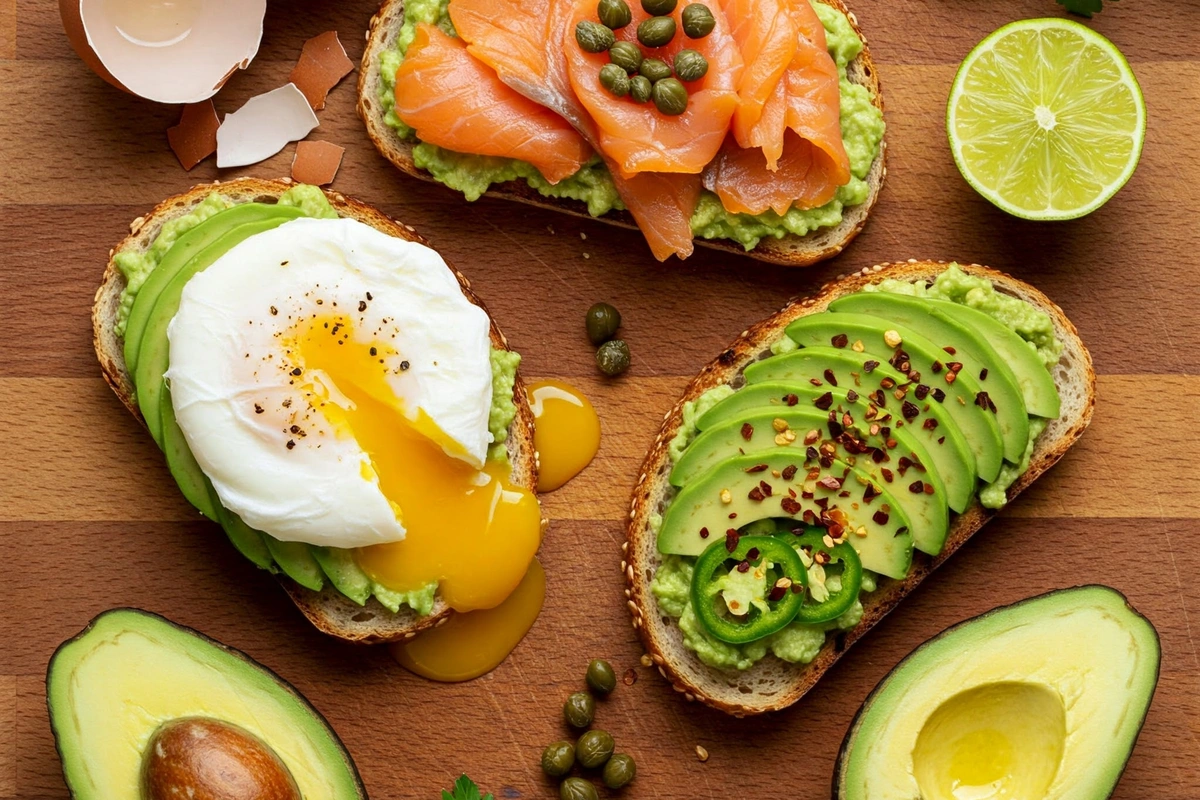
(361, 619)
(765, 682)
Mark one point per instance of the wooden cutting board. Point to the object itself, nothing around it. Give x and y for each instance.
(90, 518)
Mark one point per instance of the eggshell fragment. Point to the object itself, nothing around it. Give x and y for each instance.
(316, 162)
(195, 137)
(170, 51)
(323, 62)
(264, 126)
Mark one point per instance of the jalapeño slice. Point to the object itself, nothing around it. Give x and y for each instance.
(812, 541)
(786, 580)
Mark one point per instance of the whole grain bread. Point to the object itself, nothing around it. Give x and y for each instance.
(773, 684)
(329, 610)
(791, 250)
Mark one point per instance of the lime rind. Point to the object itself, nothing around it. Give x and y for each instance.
(1039, 141)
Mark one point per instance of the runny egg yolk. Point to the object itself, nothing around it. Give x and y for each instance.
(472, 531)
(566, 432)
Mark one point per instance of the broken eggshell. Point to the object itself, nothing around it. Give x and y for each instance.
(169, 51)
(264, 126)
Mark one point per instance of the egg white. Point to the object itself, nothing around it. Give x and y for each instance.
(227, 362)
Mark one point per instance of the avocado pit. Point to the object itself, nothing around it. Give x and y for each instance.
(209, 759)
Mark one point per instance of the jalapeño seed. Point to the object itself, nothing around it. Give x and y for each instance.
(614, 14)
(615, 79)
(656, 31)
(698, 21)
(690, 65)
(594, 37)
(670, 97)
(626, 55)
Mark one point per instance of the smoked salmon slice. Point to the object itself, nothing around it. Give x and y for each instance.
(746, 185)
(766, 36)
(455, 101)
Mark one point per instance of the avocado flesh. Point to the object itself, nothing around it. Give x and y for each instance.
(1040, 700)
(154, 352)
(886, 548)
(182, 250)
(192, 481)
(970, 349)
(977, 424)
(109, 689)
(928, 513)
(948, 447)
(1036, 382)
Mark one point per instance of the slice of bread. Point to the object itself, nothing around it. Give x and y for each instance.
(328, 610)
(773, 684)
(795, 251)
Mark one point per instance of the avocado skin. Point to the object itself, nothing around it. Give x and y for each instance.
(133, 617)
(848, 741)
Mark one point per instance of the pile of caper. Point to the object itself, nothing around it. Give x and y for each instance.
(629, 72)
(594, 748)
(612, 355)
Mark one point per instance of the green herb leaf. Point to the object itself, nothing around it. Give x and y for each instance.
(464, 789)
(1084, 8)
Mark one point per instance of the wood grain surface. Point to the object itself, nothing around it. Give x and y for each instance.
(90, 518)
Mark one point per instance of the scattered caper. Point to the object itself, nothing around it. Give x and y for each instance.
(615, 79)
(558, 758)
(698, 21)
(600, 676)
(670, 97)
(655, 69)
(577, 789)
(579, 710)
(613, 357)
(594, 748)
(601, 321)
(656, 31)
(626, 55)
(640, 88)
(594, 37)
(619, 771)
(658, 8)
(690, 65)
(614, 14)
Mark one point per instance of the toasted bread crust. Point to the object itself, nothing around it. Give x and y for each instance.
(772, 684)
(328, 610)
(794, 251)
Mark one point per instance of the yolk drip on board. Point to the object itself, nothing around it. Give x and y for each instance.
(470, 530)
(566, 432)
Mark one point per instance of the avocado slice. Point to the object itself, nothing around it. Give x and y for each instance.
(971, 349)
(193, 483)
(109, 689)
(1040, 699)
(185, 247)
(928, 420)
(977, 424)
(755, 433)
(295, 559)
(154, 353)
(698, 515)
(344, 573)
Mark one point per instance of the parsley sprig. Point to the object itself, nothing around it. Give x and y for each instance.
(1084, 8)
(465, 789)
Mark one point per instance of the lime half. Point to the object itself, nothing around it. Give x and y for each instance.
(1046, 119)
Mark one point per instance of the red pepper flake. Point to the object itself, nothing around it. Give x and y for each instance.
(824, 401)
(950, 350)
(830, 378)
(922, 391)
(903, 464)
(747, 431)
(909, 410)
(733, 515)
(789, 472)
(777, 593)
(755, 494)
(830, 482)
(815, 381)
(791, 399)
(790, 506)
(757, 468)
(743, 566)
(752, 554)
(929, 424)
(955, 366)
(951, 377)
(840, 341)
(916, 487)
(983, 401)
(880, 517)
(765, 487)
(887, 383)
(852, 396)
(983, 373)
(903, 529)
(939, 395)
(928, 488)
(810, 454)
(870, 366)
(704, 533)
(731, 539)
(888, 475)
(936, 366)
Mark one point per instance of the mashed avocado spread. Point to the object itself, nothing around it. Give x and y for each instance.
(137, 267)
(799, 643)
(862, 132)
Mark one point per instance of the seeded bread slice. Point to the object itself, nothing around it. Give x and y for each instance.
(329, 610)
(791, 250)
(773, 684)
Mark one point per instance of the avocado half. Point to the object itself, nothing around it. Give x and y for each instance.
(1039, 700)
(109, 689)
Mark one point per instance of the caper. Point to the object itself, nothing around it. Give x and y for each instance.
(690, 65)
(594, 37)
(626, 55)
(613, 357)
(594, 748)
(659, 8)
(577, 789)
(698, 21)
(655, 69)
(640, 88)
(614, 13)
(656, 31)
(579, 710)
(600, 676)
(615, 79)
(670, 97)
(558, 758)
(601, 321)
(619, 771)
